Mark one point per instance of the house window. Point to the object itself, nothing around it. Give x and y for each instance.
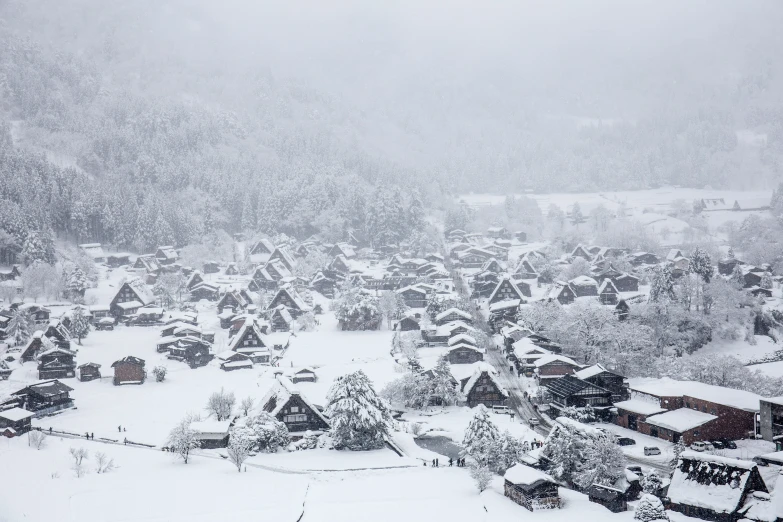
(294, 418)
(294, 409)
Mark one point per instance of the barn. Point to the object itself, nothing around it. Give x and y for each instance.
(129, 370)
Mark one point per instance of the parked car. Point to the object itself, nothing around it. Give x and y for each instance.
(533, 422)
(718, 445)
(729, 444)
(105, 323)
(499, 408)
(652, 450)
(701, 446)
(626, 441)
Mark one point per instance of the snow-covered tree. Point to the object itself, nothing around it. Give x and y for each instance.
(391, 306)
(359, 314)
(564, 449)
(506, 451)
(270, 433)
(246, 406)
(602, 462)
(766, 281)
(737, 277)
(701, 264)
(442, 383)
(20, 327)
(221, 404)
(481, 475)
(80, 325)
(650, 509)
(480, 436)
(79, 455)
(575, 215)
(76, 284)
(651, 482)
(182, 439)
(677, 450)
(360, 419)
(240, 444)
(662, 284)
(160, 373)
(412, 390)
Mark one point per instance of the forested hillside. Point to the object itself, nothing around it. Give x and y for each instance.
(160, 120)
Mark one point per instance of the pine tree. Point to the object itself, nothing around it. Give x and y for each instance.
(20, 327)
(602, 463)
(505, 452)
(737, 277)
(701, 264)
(480, 436)
(651, 482)
(677, 450)
(33, 249)
(80, 326)
(650, 509)
(564, 449)
(77, 284)
(575, 215)
(766, 281)
(270, 434)
(360, 419)
(443, 383)
(662, 285)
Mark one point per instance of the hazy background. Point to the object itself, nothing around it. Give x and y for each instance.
(439, 96)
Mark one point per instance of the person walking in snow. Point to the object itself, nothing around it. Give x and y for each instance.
(433, 463)
(119, 428)
(92, 436)
(451, 461)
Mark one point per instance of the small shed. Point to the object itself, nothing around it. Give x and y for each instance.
(129, 370)
(530, 488)
(89, 371)
(304, 375)
(15, 422)
(408, 323)
(211, 433)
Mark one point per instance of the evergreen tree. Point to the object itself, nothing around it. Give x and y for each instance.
(443, 383)
(651, 482)
(602, 463)
(77, 284)
(270, 434)
(575, 215)
(737, 278)
(505, 452)
(766, 281)
(20, 326)
(360, 419)
(701, 264)
(415, 214)
(33, 249)
(80, 326)
(480, 436)
(650, 509)
(677, 450)
(565, 449)
(662, 284)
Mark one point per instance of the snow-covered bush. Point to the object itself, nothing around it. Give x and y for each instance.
(480, 435)
(240, 444)
(650, 509)
(103, 463)
(221, 404)
(36, 439)
(651, 482)
(481, 475)
(79, 455)
(160, 373)
(270, 433)
(182, 439)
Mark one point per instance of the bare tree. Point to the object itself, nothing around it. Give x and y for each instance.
(36, 439)
(182, 439)
(246, 405)
(104, 464)
(220, 404)
(79, 456)
(481, 475)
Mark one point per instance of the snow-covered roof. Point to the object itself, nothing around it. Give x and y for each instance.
(541, 361)
(591, 371)
(446, 313)
(207, 428)
(667, 387)
(129, 305)
(680, 420)
(465, 345)
(639, 406)
(583, 281)
(482, 368)
(282, 391)
(699, 490)
(446, 329)
(522, 475)
(607, 284)
(503, 305)
(462, 338)
(15, 414)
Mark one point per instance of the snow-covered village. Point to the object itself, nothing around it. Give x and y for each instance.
(336, 261)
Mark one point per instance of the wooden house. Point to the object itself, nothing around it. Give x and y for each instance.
(94, 251)
(148, 263)
(231, 270)
(342, 249)
(262, 247)
(714, 488)
(606, 379)
(204, 291)
(284, 257)
(643, 258)
(413, 296)
(129, 370)
(530, 488)
(626, 283)
(483, 387)
(497, 232)
(44, 397)
(166, 255)
(280, 319)
(751, 279)
(211, 267)
(290, 299)
(251, 341)
(407, 324)
(211, 433)
(607, 293)
(525, 270)
(584, 286)
(39, 314)
(89, 371)
(324, 284)
(562, 293)
(622, 310)
(568, 391)
(230, 361)
(193, 351)
(492, 265)
(194, 280)
(131, 296)
(464, 353)
(453, 314)
(10, 274)
(615, 497)
(508, 290)
(285, 402)
(34, 346)
(15, 422)
(234, 300)
(726, 266)
(57, 333)
(56, 363)
(474, 257)
(555, 366)
(581, 251)
(304, 375)
(118, 260)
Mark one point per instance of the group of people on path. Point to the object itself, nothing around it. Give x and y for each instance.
(436, 462)
(87, 435)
